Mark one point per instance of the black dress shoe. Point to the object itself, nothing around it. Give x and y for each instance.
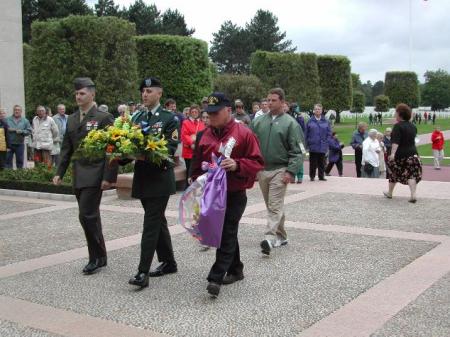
(213, 289)
(92, 266)
(322, 179)
(163, 269)
(140, 280)
(231, 278)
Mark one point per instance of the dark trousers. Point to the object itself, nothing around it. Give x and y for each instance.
(358, 159)
(316, 162)
(2, 159)
(155, 235)
(338, 165)
(18, 150)
(187, 161)
(89, 214)
(228, 258)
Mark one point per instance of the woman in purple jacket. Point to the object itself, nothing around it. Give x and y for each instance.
(318, 133)
(334, 155)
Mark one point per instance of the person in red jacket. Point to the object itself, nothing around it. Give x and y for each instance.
(244, 163)
(437, 140)
(189, 130)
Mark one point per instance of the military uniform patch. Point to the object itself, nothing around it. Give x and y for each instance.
(175, 134)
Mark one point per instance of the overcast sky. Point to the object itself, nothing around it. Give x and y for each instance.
(374, 34)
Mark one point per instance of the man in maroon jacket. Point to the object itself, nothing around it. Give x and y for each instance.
(242, 166)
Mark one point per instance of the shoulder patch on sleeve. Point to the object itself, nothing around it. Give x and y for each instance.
(175, 134)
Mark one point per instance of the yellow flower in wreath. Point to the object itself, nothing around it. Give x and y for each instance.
(151, 145)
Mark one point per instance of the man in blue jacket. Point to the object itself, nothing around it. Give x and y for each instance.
(318, 134)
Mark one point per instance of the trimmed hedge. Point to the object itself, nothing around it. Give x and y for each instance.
(336, 82)
(402, 87)
(180, 62)
(359, 101)
(381, 103)
(37, 179)
(77, 46)
(248, 88)
(36, 186)
(297, 74)
(27, 52)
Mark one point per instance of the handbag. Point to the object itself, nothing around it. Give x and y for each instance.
(368, 168)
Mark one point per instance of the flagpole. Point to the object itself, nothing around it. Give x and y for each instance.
(410, 35)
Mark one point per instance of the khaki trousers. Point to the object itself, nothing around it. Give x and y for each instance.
(274, 190)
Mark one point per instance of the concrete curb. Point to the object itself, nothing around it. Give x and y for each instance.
(45, 195)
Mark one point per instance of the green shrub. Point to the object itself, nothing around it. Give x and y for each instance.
(37, 179)
(248, 88)
(77, 46)
(35, 186)
(335, 82)
(381, 103)
(297, 74)
(39, 173)
(359, 101)
(181, 63)
(402, 87)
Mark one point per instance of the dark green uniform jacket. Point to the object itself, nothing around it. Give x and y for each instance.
(149, 179)
(85, 173)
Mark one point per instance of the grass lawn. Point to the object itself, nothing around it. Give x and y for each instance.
(347, 126)
(424, 150)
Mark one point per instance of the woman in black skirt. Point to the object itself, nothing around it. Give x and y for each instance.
(404, 162)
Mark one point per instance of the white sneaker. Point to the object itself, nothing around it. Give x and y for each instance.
(280, 242)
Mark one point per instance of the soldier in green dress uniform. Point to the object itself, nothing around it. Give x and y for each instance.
(90, 177)
(154, 184)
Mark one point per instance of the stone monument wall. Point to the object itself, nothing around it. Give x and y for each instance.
(11, 55)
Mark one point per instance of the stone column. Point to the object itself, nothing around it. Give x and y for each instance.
(11, 55)
(12, 89)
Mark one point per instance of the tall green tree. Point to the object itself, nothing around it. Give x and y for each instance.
(232, 45)
(230, 49)
(382, 103)
(336, 83)
(436, 89)
(359, 101)
(266, 35)
(367, 88)
(378, 89)
(106, 8)
(42, 10)
(145, 17)
(356, 82)
(402, 87)
(173, 23)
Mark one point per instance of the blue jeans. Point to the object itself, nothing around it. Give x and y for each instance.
(18, 150)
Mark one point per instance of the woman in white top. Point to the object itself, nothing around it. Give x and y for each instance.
(45, 133)
(370, 156)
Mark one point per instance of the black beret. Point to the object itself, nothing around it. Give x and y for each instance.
(150, 82)
(83, 82)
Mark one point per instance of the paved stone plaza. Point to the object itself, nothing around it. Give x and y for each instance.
(357, 264)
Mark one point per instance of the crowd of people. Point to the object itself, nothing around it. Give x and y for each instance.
(271, 144)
